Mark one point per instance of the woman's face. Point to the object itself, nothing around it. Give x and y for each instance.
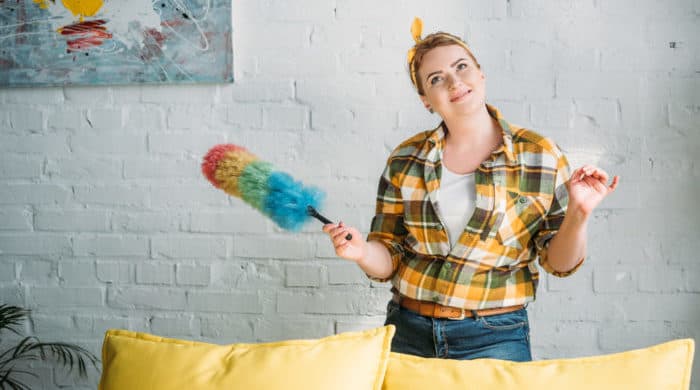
(453, 84)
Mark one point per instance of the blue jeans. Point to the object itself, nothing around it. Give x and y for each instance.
(502, 336)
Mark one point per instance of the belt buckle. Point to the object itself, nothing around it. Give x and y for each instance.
(462, 315)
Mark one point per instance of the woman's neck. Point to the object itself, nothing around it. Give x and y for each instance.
(472, 131)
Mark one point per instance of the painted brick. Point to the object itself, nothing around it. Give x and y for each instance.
(188, 116)
(615, 279)
(110, 245)
(349, 273)
(360, 324)
(634, 335)
(174, 247)
(255, 91)
(148, 298)
(47, 144)
(282, 117)
(38, 271)
(7, 271)
(303, 276)
(35, 244)
(598, 85)
(105, 118)
(148, 221)
(47, 326)
(232, 329)
(245, 220)
(173, 326)
(35, 96)
(77, 273)
(317, 303)
(149, 117)
(178, 94)
(227, 302)
(109, 143)
(13, 295)
(277, 35)
(296, 328)
(279, 247)
(86, 166)
(599, 113)
(33, 193)
(247, 275)
(88, 95)
(27, 119)
(187, 194)
(158, 169)
(154, 273)
(14, 167)
(249, 115)
(66, 297)
(71, 220)
(280, 63)
(15, 219)
(192, 274)
(111, 195)
(114, 272)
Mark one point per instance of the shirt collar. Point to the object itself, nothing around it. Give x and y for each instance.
(437, 136)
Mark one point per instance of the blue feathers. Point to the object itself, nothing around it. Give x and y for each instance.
(287, 200)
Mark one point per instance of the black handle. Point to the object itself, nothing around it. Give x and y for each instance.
(310, 210)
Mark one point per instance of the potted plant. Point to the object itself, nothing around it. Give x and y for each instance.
(13, 359)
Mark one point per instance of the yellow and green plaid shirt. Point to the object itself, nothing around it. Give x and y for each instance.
(521, 199)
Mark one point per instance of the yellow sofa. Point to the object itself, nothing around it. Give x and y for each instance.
(362, 360)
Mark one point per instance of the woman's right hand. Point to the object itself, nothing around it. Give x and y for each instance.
(355, 249)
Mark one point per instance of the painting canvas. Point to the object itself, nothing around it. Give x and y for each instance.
(92, 42)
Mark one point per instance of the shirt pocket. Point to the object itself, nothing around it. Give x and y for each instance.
(520, 219)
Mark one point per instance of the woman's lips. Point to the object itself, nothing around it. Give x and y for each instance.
(460, 96)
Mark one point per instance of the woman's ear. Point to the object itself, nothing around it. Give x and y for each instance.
(425, 101)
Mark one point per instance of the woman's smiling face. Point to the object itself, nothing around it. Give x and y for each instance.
(452, 81)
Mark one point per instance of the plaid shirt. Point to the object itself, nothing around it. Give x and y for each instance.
(521, 199)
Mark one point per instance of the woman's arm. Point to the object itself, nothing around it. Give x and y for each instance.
(587, 187)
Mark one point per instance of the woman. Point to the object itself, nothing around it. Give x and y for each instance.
(464, 210)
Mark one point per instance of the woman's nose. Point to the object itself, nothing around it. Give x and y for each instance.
(453, 82)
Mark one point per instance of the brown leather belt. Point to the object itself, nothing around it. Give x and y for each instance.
(431, 309)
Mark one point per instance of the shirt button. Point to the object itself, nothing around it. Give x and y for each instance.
(523, 200)
(448, 265)
(439, 226)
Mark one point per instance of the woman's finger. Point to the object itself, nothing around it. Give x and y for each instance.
(340, 233)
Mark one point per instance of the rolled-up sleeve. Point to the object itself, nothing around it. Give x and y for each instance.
(387, 225)
(555, 216)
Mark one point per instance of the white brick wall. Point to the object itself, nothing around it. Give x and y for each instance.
(106, 221)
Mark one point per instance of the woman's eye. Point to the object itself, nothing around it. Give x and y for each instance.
(435, 80)
(462, 66)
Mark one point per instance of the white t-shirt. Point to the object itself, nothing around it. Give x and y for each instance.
(456, 199)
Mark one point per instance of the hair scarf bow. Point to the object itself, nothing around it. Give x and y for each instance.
(416, 31)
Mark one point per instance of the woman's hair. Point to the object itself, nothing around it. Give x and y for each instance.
(423, 46)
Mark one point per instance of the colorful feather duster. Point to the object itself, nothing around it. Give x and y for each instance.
(276, 194)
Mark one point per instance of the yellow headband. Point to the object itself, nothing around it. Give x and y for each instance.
(416, 31)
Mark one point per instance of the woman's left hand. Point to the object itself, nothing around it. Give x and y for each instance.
(588, 186)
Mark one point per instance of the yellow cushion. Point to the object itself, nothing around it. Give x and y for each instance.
(353, 360)
(663, 366)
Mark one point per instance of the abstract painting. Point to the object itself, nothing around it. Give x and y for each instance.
(93, 42)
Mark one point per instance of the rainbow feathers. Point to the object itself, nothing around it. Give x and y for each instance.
(276, 194)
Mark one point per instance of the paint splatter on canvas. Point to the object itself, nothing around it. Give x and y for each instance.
(70, 42)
